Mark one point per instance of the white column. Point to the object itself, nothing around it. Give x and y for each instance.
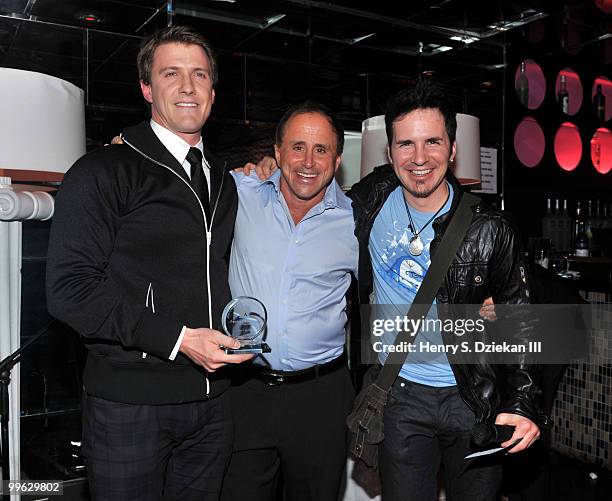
(10, 326)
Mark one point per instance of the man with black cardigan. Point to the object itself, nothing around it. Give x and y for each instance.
(136, 265)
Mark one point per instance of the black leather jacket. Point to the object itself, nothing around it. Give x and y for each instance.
(487, 264)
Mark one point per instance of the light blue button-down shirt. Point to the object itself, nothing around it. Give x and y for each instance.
(300, 272)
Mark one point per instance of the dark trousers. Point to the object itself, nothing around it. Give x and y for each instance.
(153, 452)
(426, 426)
(292, 432)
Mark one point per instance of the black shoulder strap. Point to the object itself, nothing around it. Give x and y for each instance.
(453, 236)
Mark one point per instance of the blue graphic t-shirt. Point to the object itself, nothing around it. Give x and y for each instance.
(397, 277)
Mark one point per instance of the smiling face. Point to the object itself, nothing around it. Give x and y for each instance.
(181, 91)
(420, 153)
(308, 160)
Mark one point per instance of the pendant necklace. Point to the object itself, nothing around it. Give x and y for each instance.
(415, 247)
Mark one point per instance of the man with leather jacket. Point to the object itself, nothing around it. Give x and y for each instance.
(401, 212)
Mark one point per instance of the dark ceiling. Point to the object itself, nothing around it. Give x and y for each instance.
(348, 53)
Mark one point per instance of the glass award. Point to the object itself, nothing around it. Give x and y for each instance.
(244, 318)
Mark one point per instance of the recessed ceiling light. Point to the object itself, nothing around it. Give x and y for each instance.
(464, 38)
(90, 18)
(433, 48)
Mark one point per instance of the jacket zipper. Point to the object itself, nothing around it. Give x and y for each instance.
(207, 230)
(150, 294)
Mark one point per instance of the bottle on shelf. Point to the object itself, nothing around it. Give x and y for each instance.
(589, 223)
(563, 95)
(607, 223)
(565, 229)
(597, 216)
(522, 85)
(549, 222)
(595, 227)
(599, 103)
(581, 241)
(603, 222)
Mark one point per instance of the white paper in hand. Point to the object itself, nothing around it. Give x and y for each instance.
(493, 451)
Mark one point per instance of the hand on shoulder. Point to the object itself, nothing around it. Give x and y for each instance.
(264, 168)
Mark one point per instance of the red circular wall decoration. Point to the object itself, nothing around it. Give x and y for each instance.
(605, 5)
(529, 142)
(536, 83)
(601, 150)
(568, 146)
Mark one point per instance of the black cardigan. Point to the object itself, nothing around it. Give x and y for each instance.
(127, 267)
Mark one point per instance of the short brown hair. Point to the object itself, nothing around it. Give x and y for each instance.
(172, 34)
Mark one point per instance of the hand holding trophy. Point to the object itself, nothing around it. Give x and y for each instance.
(244, 318)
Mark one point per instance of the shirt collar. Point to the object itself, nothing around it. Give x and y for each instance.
(174, 144)
(334, 196)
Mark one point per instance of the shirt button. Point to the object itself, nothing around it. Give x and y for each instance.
(284, 301)
(297, 240)
(284, 360)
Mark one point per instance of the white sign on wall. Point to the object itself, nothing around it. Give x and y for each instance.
(488, 171)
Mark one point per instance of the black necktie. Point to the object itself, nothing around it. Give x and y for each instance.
(198, 179)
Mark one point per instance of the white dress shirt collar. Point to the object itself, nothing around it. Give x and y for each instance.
(178, 147)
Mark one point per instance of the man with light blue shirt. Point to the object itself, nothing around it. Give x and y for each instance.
(397, 278)
(294, 249)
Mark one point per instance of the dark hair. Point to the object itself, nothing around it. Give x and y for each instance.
(423, 95)
(311, 107)
(173, 34)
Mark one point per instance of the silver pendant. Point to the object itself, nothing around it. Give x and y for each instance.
(416, 245)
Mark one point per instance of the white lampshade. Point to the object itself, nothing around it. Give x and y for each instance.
(373, 144)
(348, 173)
(467, 162)
(42, 119)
